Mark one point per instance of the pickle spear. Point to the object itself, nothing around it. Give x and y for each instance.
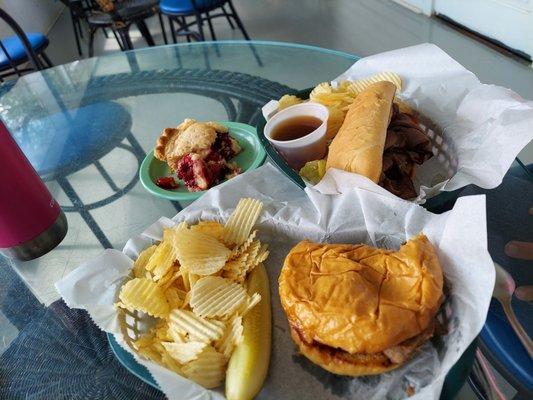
(248, 365)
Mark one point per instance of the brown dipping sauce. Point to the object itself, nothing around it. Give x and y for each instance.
(295, 128)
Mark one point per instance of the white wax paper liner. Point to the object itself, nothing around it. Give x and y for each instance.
(481, 127)
(289, 216)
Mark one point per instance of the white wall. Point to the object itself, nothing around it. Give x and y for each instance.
(31, 15)
(509, 21)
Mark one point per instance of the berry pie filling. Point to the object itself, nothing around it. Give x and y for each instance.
(167, 183)
(199, 153)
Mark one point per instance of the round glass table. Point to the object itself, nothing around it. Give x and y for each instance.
(86, 126)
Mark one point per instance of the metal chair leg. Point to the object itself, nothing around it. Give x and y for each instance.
(210, 23)
(184, 23)
(238, 20)
(172, 30)
(79, 28)
(118, 40)
(227, 16)
(199, 22)
(92, 31)
(46, 60)
(126, 39)
(76, 35)
(105, 33)
(162, 27)
(145, 32)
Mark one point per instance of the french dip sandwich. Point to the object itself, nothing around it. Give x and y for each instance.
(359, 310)
(382, 140)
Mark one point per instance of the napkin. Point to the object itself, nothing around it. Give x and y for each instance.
(480, 128)
(290, 215)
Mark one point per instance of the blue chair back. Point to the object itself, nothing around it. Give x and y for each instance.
(32, 57)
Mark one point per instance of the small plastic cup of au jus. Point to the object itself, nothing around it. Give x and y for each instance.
(299, 133)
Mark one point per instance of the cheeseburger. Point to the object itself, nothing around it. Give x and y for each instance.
(360, 310)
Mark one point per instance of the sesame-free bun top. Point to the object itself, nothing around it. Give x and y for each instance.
(359, 298)
(359, 144)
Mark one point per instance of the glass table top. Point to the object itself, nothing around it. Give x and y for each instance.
(86, 126)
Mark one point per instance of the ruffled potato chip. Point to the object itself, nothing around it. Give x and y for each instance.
(342, 86)
(185, 283)
(193, 278)
(213, 296)
(199, 253)
(232, 337)
(161, 261)
(337, 100)
(176, 334)
(253, 252)
(184, 352)
(151, 354)
(335, 121)
(235, 270)
(241, 222)
(250, 303)
(161, 332)
(261, 256)
(197, 328)
(168, 361)
(237, 251)
(144, 295)
(174, 276)
(145, 340)
(163, 280)
(186, 300)
(146, 346)
(173, 298)
(359, 85)
(321, 88)
(211, 228)
(158, 347)
(141, 261)
(182, 225)
(120, 304)
(168, 234)
(208, 369)
(287, 101)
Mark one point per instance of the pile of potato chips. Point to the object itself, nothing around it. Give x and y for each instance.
(194, 282)
(339, 98)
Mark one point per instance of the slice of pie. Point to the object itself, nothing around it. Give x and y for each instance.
(199, 153)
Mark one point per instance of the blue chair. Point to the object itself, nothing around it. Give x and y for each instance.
(21, 48)
(178, 10)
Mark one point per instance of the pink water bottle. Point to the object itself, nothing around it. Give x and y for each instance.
(31, 221)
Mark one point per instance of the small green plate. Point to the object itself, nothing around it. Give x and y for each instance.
(251, 157)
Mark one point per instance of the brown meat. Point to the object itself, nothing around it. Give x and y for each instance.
(393, 355)
(404, 351)
(406, 144)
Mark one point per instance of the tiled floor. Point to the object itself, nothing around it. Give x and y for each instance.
(355, 26)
